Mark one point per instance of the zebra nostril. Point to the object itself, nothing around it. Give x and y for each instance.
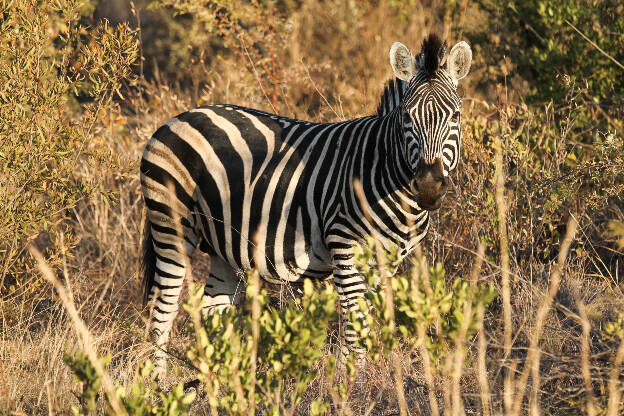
(444, 183)
(414, 186)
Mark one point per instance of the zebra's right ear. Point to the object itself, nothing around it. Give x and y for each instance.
(402, 61)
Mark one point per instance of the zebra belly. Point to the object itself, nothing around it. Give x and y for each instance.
(303, 258)
(300, 251)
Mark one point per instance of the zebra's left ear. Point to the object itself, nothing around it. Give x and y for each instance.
(459, 60)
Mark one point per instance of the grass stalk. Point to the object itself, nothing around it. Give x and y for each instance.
(504, 245)
(390, 318)
(4, 388)
(585, 368)
(458, 363)
(389, 302)
(195, 313)
(420, 271)
(613, 406)
(509, 385)
(459, 355)
(81, 330)
(533, 358)
(255, 334)
(484, 386)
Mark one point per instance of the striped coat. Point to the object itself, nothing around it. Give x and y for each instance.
(258, 190)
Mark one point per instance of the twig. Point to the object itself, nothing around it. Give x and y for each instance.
(258, 78)
(319, 92)
(591, 42)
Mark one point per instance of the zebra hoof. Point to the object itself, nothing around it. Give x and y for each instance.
(344, 353)
(160, 368)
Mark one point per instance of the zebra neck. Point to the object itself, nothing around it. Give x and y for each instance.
(392, 96)
(390, 162)
(379, 163)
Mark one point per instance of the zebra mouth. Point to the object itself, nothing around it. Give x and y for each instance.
(430, 206)
(429, 201)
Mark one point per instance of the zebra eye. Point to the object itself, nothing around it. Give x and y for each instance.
(455, 117)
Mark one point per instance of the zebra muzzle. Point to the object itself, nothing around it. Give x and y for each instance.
(430, 185)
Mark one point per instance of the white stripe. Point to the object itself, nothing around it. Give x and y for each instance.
(266, 205)
(173, 167)
(242, 148)
(168, 281)
(288, 199)
(170, 268)
(269, 135)
(216, 169)
(161, 193)
(302, 259)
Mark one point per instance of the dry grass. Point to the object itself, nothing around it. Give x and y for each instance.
(540, 350)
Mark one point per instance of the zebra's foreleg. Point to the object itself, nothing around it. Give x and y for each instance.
(350, 285)
(223, 289)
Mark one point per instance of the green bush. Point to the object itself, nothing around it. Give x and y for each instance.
(422, 301)
(58, 78)
(543, 41)
(289, 342)
(142, 399)
(552, 174)
(266, 360)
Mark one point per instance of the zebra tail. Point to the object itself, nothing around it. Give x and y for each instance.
(148, 262)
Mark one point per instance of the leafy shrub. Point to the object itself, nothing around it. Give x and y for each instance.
(563, 146)
(142, 399)
(422, 301)
(58, 78)
(554, 43)
(552, 171)
(255, 32)
(265, 361)
(288, 344)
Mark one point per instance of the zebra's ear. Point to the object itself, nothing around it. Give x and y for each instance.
(459, 61)
(402, 61)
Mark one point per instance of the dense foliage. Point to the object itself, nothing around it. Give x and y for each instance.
(58, 77)
(265, 361)
(556, 44)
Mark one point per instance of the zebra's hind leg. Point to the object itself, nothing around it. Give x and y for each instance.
(224, 287)
(167, 263)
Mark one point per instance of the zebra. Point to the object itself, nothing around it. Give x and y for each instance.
(259, 190)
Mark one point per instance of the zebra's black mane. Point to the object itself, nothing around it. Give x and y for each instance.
(431, 48)
(392, 96)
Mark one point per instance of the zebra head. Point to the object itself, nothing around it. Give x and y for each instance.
(431, 112)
